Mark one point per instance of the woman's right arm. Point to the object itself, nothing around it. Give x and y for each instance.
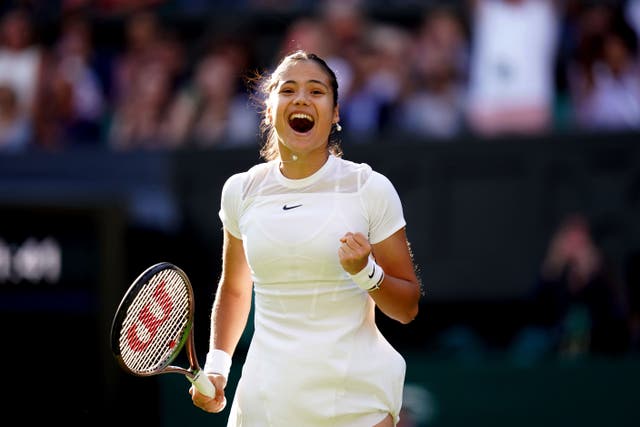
(228, 317)
(233, 297)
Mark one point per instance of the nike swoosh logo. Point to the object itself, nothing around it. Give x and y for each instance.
(286, 208)
(372, 272)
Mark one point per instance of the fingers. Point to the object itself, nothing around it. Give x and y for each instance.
(356, 242)
(353, 252)
(209, 404)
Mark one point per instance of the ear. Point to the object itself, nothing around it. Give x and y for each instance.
(336, 114)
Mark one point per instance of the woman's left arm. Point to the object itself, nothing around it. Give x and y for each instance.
(399, 293)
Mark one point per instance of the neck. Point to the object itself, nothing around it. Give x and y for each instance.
(296, 166)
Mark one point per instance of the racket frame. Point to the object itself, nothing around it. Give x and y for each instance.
(194, 373)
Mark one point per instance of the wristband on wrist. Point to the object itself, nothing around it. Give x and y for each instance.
(370, 277)
(218, 362)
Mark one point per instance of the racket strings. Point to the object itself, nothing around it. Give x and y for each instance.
(156, 323)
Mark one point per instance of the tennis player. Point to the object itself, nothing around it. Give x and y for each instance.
(322, 243)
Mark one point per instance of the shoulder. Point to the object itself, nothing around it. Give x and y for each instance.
(354, 167)
(242, 181)
(367, 178)
(233, 186)
(255, 172)
(353, 171)
(379, 184)
(368, 174)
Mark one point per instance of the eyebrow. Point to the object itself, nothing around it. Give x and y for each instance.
(308, 81)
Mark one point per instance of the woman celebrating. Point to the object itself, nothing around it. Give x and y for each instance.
(321, 241)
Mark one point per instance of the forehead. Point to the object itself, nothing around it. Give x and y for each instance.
(302, 71)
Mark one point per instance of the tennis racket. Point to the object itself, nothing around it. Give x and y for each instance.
(154, 321)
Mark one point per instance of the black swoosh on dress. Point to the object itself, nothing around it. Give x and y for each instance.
(286, 208)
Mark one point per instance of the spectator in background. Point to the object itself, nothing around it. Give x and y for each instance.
(513, 51)
(345, 24)
(141, 35)
(578, 297)
(147, 41)
(310, 34)
(146, 75)
(604, 79)
(380, 76)
(433, 103)
(22, 62)
(76, 105)
(314, 34)
(212, 109)
(586, 25)
(370, 60)
(579, 30)
(141, 119)
(15, 127)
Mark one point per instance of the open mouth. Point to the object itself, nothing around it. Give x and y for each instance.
(301, 122)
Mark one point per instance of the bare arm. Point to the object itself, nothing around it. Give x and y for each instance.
(228, 316)
(399, 292)
(233, 297)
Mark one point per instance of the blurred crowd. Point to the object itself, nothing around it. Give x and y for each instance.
(583, 302)
(159, 74)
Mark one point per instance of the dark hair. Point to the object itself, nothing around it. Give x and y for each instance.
(265, 83)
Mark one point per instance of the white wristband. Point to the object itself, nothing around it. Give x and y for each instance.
(218, 362)
(370, 277)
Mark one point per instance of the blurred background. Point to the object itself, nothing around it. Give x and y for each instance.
(511, 129)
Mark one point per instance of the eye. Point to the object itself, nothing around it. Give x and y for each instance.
(286, 90)
(317, 90)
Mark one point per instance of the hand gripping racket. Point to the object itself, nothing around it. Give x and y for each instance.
(154, 322)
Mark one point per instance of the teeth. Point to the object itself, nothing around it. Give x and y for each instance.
(301, 116)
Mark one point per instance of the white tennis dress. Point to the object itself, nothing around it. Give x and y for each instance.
(316, 357)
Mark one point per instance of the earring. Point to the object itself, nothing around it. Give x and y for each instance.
(338, 127)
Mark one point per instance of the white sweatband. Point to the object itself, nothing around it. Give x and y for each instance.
(370, 277)
(218, 362)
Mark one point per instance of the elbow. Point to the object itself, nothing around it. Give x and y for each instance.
(409, 315)
(411, 312)
(406, 311)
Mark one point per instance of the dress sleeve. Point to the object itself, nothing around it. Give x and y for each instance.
(383, 206)
(230, 202)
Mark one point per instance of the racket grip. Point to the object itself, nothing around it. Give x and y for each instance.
(202, 383)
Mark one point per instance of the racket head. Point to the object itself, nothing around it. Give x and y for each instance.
(153, 321)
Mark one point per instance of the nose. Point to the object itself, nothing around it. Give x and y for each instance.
(301, 98)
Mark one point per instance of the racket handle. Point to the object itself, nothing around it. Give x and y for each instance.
(202, 383)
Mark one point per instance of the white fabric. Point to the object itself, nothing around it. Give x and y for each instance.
(513, 53)
(316, 357)
(370, 277)
(218, 362)
(19, 70)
